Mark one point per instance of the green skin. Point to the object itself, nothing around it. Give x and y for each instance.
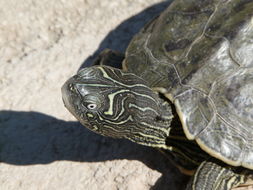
(119, 104)
(198, 54)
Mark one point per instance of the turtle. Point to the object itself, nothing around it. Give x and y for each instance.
(183, 86)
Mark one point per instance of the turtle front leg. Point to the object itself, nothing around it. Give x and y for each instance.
(110, 58)
(212, 176)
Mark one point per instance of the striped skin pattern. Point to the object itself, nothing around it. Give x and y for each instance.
(212, 176)
(118, 104)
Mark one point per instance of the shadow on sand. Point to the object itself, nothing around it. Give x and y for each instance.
(28, 138)
(119, 38)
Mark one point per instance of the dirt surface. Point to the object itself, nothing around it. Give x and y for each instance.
(42, 146)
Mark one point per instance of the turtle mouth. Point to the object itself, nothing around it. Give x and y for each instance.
(66, 93)
(71, 97)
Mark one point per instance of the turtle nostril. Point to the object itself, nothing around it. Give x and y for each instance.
(159, 118)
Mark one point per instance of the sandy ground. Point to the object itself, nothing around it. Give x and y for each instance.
(42, 147)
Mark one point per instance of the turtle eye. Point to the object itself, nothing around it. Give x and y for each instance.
(92, 102)
(92, 106)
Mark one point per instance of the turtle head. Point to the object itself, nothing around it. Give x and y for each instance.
(118, 104)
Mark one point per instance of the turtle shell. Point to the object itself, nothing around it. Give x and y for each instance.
(199, 53)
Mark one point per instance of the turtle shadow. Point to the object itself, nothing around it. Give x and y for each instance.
(119, 38)
(30, 138)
